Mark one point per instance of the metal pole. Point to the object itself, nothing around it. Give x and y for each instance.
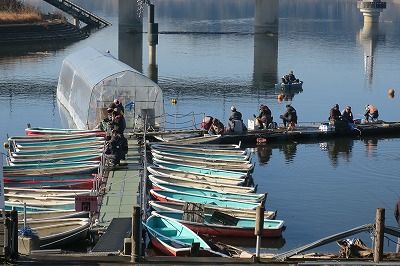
(379, 234)
(24, 214)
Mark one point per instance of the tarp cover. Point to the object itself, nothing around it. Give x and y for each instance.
(90, 80)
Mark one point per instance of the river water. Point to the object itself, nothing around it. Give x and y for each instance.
(209, 59)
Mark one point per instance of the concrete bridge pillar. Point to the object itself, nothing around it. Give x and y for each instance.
(266, 17)
(130, 34)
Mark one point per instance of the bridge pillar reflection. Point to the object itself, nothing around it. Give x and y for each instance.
(266, 17)
(266, 27)
(130, 34)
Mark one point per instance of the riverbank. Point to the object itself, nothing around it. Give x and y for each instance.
(40, 32)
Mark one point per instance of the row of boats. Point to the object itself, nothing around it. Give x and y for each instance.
(45, 171)
(199, 190)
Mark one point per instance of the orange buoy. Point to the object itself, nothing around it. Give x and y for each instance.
(280, 97)
(391, 93)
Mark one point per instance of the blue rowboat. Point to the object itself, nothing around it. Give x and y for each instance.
(174, 239)
(45, 138)
(51, 169)
(94, 148)
(200, 170)
(20, 208)
(183, 148)
(85, 183)
(210, 192)
(219, 224)
(204, 155)
(43, 160)
(33, 178)
(57, 142)
(221, 166)
(164, 195)
(53, 146)
(200, 184)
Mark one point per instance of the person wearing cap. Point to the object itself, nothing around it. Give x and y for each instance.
(371, 113)
(235, 115)
(291, 77)
(334, 114)
(235, 123)
(118, 121)
(289, 117)
(347, 115)
(264, 118)
(119, 105)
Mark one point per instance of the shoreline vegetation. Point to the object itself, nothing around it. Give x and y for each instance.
(16, 12)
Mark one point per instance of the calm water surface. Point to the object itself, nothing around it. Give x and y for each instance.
(318, 188)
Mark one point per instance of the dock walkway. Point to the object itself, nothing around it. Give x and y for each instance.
(122, 187)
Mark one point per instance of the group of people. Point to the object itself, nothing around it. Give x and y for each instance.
(114, 124)
(371, 114)
(289, 78)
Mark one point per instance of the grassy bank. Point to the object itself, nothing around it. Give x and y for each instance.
(13, 11)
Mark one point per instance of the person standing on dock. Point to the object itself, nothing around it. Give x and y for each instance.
(397, 217)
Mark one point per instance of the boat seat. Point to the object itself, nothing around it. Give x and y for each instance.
(167, 231)
(184, 240)
(223, 218)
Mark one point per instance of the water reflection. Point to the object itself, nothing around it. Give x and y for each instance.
(339, 148)
(264, 153)
(265, 60)
(289, 151)
(371, 146)
(369, 37)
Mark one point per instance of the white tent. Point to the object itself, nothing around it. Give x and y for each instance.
(90, 80)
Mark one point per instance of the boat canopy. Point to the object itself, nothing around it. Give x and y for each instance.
(90, 80)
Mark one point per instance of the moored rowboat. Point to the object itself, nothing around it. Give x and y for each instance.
(158, 171)
(252, 197)
(222, 225)
(199, 170)
(200, 184)
(61, 131)
(163, 195)
(220, 166)
(174, 239)
(237, 157)
(160, 206)
(198, 149)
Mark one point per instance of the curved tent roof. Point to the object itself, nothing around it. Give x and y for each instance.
(90, 80)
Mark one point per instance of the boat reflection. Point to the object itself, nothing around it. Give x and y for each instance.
(338, 148)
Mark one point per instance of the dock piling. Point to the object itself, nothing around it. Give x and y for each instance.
(379, 234)
(258, 230)
(135, 255)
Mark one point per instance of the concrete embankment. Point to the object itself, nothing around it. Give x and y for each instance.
(53, 31)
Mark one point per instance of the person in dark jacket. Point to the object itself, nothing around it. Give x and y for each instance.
(216, 128)
(334, 114)
(290, 116)
(118, 122)
(117, 147)
(264, 118)
(347, 115)
(119, 105)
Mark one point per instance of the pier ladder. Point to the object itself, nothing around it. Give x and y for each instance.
(79, 13)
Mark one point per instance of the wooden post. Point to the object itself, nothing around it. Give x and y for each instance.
(14, 234)
(379, 233)
(135, 255)
(258, 230)
(195, 249)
